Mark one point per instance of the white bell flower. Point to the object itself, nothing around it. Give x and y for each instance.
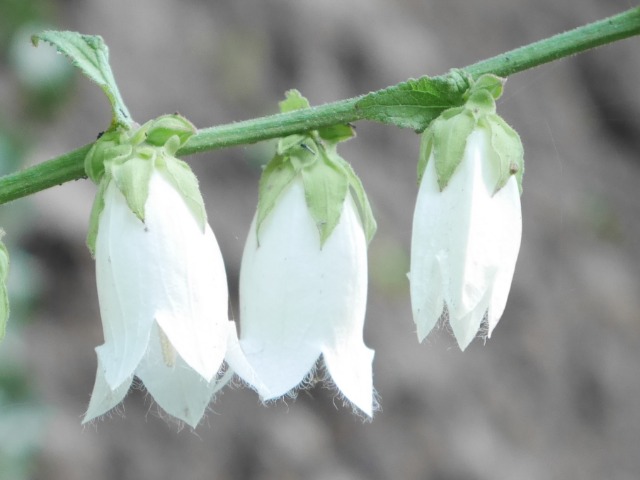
(466, 238)
(300, 299)
(163, 300)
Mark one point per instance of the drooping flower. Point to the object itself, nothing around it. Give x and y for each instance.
(303, 280)
(467, 224)
(160, 276)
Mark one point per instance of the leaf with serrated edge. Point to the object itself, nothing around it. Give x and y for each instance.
(412, 104)
(91, 56)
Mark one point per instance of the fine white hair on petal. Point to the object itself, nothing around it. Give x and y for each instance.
(176, 387)
(298, 300)
(509, 197)
(465, 244)
(166, 273)
(103, 397)
(165, 269)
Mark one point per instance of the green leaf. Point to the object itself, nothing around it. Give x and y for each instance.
(450, 133)
(90, 54)
(276, 177)
(325, 188)
(4, 296)
(412, 104)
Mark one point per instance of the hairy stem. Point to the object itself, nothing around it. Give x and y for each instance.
(70, 165)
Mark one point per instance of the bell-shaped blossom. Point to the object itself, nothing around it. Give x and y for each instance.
(300, 299)
(466, 238)
(163, 300)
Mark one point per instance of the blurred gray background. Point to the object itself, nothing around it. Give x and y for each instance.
(554, 394)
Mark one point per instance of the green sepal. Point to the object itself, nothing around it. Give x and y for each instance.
(129, 158)
(415, 103)
(325, 190)
(337, 133)
(446, 137)
(369, 224)
(170, 131)
(94, 217)
(132, 179)
(108, 147)
(276, 177)
(4, 296)
(326, 177)
(490, 83)
(287, 144)
(505, 149)
(90, 55)
(185, 182)
(293, 101)
(426, 147)
(480, 103)
(450, 132)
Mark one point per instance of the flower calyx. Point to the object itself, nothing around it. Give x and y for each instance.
(128, 157)
(446, 137)
(327, 177)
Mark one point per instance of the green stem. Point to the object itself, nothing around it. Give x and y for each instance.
(70, 166)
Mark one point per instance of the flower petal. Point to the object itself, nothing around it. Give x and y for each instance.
(465, 244)
(346, 357)
(104, 398)
(174, 385)
(351, 371)
(298, 300)
(126, 305)
(510, 239)
(192, 307)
